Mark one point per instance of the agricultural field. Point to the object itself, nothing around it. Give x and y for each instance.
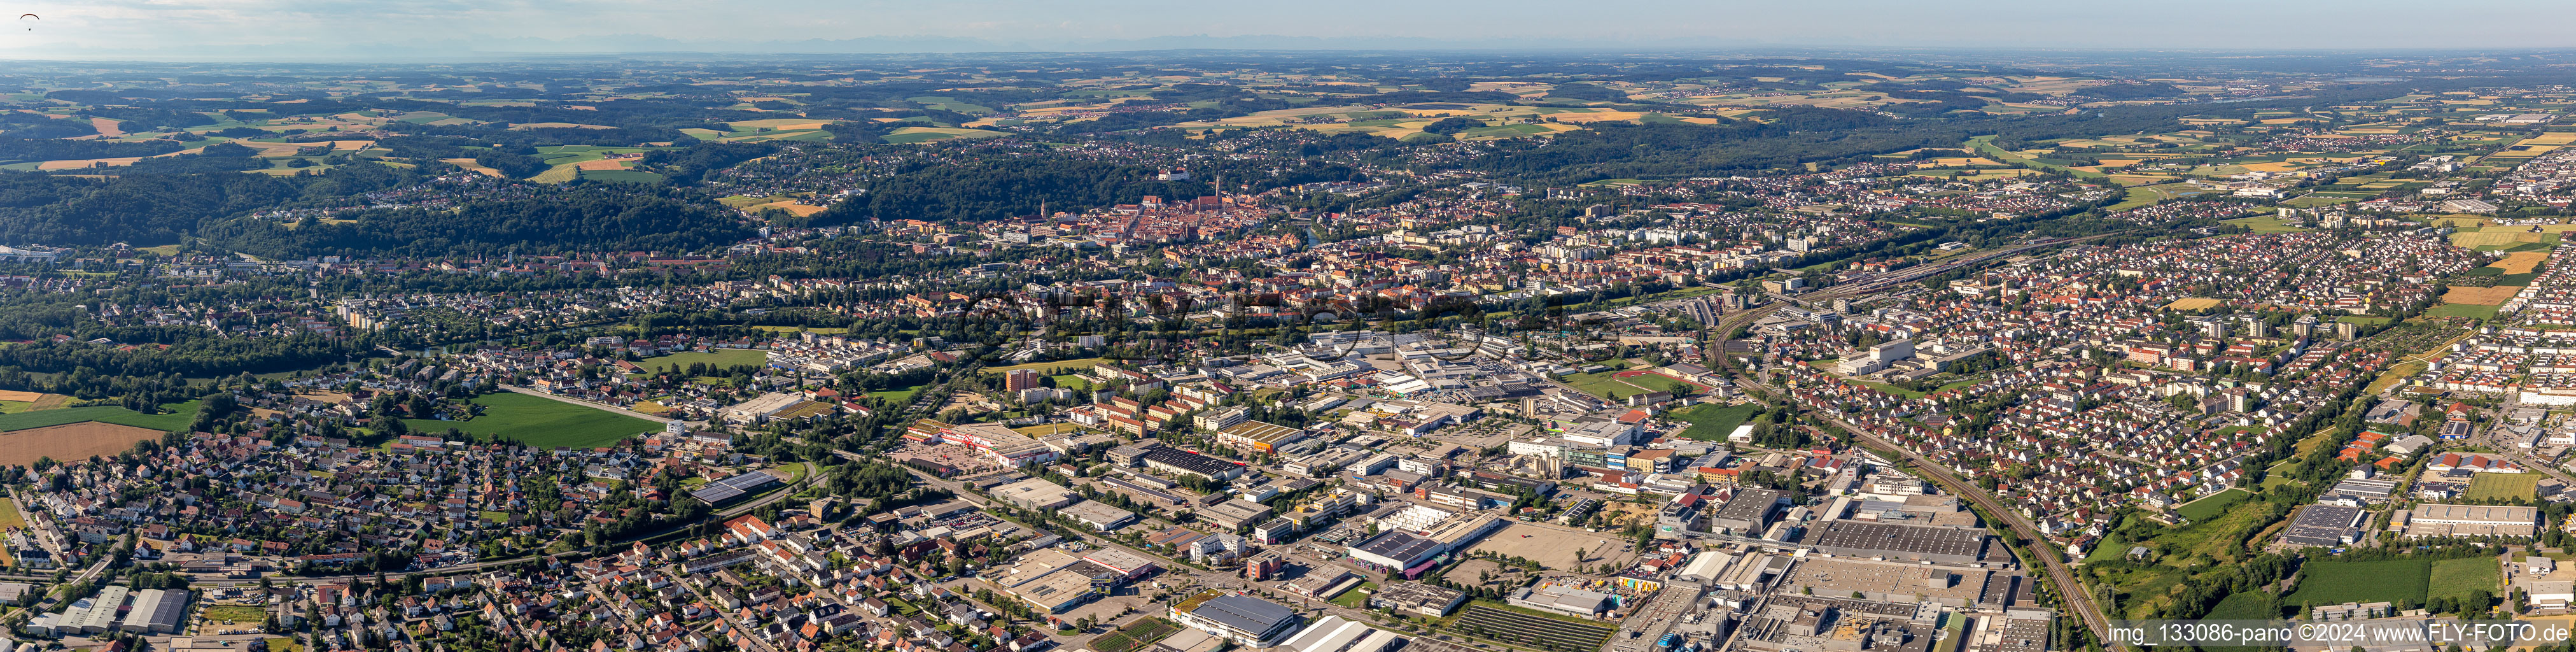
(928, 134)
(2461, 310)
(2504, 486)
(2193, 303)
(1135, 635)
(1527, 629)
(180, 415)
(2486, 296)
(70, 441)
(2337, 582)
(1710, 422)
(541, 421)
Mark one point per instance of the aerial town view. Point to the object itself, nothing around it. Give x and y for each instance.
(574, 328)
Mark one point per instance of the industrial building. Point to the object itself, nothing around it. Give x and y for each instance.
(2439, 520)
(1749, 511)
(1098, 516)
(1893, 541)
(1417, 598)
(734, 488)
(1256, 436)
(156, 611)
(1246, 620)
(1333, 634)
(1036, 493)
(2325, 525)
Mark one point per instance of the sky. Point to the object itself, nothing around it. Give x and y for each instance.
(282, 30)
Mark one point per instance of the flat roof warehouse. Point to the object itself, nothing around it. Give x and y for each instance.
(1910, 541)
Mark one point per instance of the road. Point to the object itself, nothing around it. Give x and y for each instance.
(592, 405)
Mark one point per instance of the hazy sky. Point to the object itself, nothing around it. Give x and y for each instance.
(413, 29)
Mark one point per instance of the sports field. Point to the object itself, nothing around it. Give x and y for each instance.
(2338, 582)
(541, 421)
(1710, 422)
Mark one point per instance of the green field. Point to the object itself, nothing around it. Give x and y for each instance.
(541, 421)
(1135, 635)
(1601, 384)
(897, 396)
(2213, 505)
(2338, 582)
(180, 416)
(2246, 605)
(2265, 224)
(621, 176)
(233, 613)
(2455, 578)
(1357, 596)
(720, 359)
(2501, 486)
(1710, 422)
(2461, 310)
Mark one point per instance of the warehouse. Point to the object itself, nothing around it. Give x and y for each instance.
(2325, 525)
(2437, 520)
(1174, 460)
(1035, 494)
(1100, 517)
(156, 611)
(1417, 598)
(1395, 549)
(1246, 620)
(1333, 634)
(1749, 511)
(1893, 541)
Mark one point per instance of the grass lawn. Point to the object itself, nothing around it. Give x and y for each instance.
(898, 395)
(285, 645)
(2338, 582)
(2457, 577)
(1712, 423)
(1352, 599)
(541, 421)
(234, 613)
(2462, 310)
(1602, 385)
(719, 358)
(1072, 382)
(180, 415)
(2266, 224)
(2111, 548)
(10, 519)
(2248, 605)
(2499, 486)
(2213, 505)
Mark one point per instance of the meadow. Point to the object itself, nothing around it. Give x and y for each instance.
(1710, 422)
(541, 421)
(2338, 582)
